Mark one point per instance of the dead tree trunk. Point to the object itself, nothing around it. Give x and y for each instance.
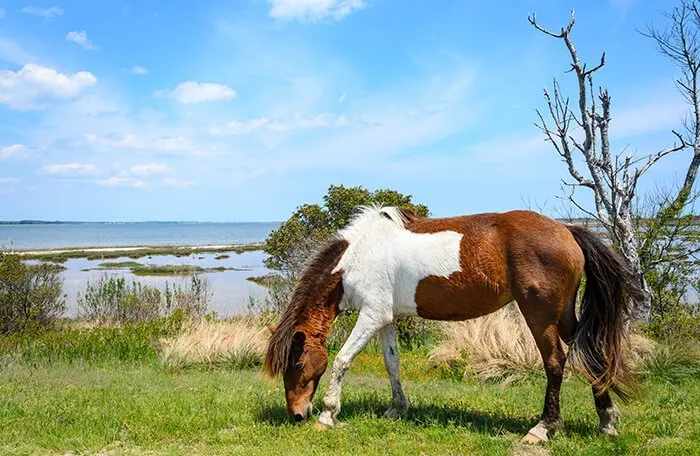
(611, 177)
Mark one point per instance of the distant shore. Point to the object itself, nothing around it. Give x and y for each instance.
(64, 253)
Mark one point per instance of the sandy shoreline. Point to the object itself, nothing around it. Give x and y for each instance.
(163, 249)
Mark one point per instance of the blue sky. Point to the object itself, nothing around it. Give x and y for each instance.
(242, 110)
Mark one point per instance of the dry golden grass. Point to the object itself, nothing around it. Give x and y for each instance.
(236, 344)
(500, 347)
(497, 346)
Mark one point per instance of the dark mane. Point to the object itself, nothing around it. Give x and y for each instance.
(314, 287)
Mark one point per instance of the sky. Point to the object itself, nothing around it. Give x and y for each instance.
(243, 110)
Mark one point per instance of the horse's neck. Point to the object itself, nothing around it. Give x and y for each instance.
(317, 317)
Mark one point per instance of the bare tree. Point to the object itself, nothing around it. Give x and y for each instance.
(681, 44)
(612, 177)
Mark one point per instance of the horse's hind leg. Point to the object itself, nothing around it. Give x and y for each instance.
(542, 321)
(399, 403)
(608, 413)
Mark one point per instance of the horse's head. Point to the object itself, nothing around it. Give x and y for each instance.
(306, 364)
(297, 348)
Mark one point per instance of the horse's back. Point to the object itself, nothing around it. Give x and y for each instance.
(503, 256)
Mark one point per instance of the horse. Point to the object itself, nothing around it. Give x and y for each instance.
(388, 262)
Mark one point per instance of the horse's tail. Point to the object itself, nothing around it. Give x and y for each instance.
(598, 349)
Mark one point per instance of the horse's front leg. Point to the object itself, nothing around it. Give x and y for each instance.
(399, 403)
(365, 328)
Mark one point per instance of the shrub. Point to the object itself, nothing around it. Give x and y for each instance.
(193, 300)
(31, 296)
(113, 300)
(230, 344)
(674, 322)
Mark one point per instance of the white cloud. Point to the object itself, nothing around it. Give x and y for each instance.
(46, 13)
(197, 92)
(34, 84)
(313, 10)
(139, 70)
(283, 125)
(117, 181)
(132, 141)
(179, 183)
(8, 180)
(14, 150)
(81, 39)
(68, 169)
(150, 169)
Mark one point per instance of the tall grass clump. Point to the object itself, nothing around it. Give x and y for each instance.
(672, 363)
(31, 296)
(495, 347)
(232, 344)
(113, 300)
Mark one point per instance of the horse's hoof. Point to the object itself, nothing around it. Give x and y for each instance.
(321, 427)
(608, 430)
(536, 435)
(394, 413)
(326, 419)
(533, 439)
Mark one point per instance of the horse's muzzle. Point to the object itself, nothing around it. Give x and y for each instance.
(304, 414)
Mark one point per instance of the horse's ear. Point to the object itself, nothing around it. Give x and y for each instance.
(272, 328)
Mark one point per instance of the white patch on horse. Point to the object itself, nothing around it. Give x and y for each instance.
(384, 262)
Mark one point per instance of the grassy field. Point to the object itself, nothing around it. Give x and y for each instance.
(112, 407)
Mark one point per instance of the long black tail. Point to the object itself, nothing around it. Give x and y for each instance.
(598, 350)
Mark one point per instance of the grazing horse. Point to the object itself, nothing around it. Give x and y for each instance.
(388, 262)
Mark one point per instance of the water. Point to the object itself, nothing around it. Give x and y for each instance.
(48, 236)
(231, 291)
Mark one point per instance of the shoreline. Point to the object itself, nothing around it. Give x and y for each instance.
(138, 251)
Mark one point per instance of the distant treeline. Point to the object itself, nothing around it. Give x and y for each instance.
(33, 222)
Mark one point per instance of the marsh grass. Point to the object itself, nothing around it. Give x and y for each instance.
(499, 347)
(119, 265)
(232, 344)
(166, 270)
(496, 347)
(136, 252)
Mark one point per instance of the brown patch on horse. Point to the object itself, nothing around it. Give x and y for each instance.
(503, 256)
(318, 288)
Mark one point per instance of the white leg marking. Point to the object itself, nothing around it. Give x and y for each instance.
(608, 418)
(365, 328)
(399, 403)
(538, 434)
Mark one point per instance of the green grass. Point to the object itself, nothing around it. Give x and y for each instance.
(176, 269)
(167, 269)
(137, 252)
(132, 408)
(120, 264)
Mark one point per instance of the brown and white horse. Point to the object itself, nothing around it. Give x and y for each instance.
(388, 263)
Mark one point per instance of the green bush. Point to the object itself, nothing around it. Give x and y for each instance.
(114, 300)
(674, 322)
(289, 246)
(31, 296)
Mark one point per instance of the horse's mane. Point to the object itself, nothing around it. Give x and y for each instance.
(311, 287)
